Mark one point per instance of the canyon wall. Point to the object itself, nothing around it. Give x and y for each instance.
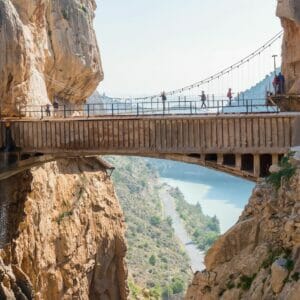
(289, 13)
(259, 257)
(62, 229)
(48, 50)
(65, 234)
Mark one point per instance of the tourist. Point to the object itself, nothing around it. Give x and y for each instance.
(229, 95)
(275, 84)
(281, 84)
(55, 107)
(48, 113)
(163, 99)
(203, 100)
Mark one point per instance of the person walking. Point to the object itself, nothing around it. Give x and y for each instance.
(203, 99)
(281, 84)
(164, 99)
(275, 84)
(48, 113)
(55, 107)
(229, 95)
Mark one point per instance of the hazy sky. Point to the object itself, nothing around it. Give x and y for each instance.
(151, 45)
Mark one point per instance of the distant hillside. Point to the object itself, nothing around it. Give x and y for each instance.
(255, 95)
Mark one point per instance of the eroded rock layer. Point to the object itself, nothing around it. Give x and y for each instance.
(48, 49)
(289, 13)
(67, 232)
(259, 257)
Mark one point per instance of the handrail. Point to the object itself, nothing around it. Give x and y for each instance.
(190, 107)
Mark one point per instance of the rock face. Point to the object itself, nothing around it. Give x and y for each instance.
(289, 13)
(68, 237)
(259, 257)
(48, 49)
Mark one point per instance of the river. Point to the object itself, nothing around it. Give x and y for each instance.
(219, 195)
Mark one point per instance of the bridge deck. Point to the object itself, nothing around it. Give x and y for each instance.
(157, 136)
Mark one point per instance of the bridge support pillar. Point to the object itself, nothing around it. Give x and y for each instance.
(275, 159)
(238, 161)
(256, 165)
(220, 159)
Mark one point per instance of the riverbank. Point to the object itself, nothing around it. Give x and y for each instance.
(169, 208)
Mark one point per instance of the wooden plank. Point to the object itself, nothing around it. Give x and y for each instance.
(262, 133)
(152, 135)
(147, 134)
(249, 132)
(214, 132)
(225, 134)
(287, 132)
(243, 133)
(169, 135)
(126, 134)
(158, 134)
(237, 130)
(163, 134)
(179, 135)
(268, 132)
(256, 133)
(53, 137)
(281, 141)
(136, 134)
(131, 134)
(231, 133)
(191, 146)
(141, 134)
(197, 135)
(185, 130)
(220, 133)
(274, 132)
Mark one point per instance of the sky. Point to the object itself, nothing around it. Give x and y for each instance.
(152, 45)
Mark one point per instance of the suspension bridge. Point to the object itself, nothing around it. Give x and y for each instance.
(242, 136)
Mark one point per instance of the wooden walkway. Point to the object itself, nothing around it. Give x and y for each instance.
(239, 142)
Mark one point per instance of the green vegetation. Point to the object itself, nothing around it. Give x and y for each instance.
(65, 14)
(63, 215)
(157, 264)
(204, 230)
(246, 282)
(287, 170)
(295, 276)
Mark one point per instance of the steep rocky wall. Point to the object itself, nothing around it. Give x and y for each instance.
(48, 49)
(68, 234)
(289, 13)
(259, 257)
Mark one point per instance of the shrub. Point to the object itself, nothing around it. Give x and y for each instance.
(286, 172)
(152, 260)
(296, 276)
(155, 220)
(63, 215)
(246, 281)
(289, 264)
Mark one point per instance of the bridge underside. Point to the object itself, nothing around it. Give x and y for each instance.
(247, 166)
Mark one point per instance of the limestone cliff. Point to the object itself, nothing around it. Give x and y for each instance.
(48, 49)
(68, 234)
(259, 257)
(289, 13)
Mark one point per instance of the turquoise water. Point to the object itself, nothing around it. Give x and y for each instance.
(219, 194)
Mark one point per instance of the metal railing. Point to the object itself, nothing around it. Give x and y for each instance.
(185, 107)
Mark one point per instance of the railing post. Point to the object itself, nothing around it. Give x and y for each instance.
(218, 107)
(137, 109)
(191, 107)
(247, 107)
(65, 111)
(213, 99)
(42, 112)
(112, 109)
